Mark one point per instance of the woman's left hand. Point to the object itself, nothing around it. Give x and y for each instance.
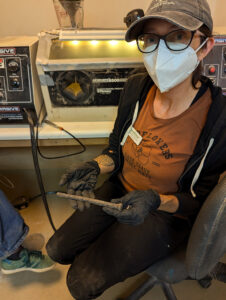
(136, 206)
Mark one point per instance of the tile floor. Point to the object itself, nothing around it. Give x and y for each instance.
(51, 285)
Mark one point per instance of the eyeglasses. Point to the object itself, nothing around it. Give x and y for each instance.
(176, 40)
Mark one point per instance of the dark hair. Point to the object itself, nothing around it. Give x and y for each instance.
(197, 74)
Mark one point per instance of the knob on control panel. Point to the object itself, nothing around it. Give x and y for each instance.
(15, 83)
(13, 66)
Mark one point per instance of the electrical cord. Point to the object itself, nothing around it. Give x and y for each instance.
(37, 167)
(62, 129)
(36, 151)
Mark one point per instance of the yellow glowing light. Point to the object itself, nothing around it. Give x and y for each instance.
(113, 43)
(94, 43)
(133, 43)
(75, 42)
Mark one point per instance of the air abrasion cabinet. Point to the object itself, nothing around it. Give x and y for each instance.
(82, 73)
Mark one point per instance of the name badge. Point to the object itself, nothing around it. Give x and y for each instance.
(135, 136)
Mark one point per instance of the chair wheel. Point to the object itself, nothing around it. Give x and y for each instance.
(205, 283)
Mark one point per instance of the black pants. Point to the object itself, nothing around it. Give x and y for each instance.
(103, 252)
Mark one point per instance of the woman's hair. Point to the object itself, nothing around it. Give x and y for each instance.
(197, 74)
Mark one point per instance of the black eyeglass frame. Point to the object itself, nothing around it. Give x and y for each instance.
(163, 37)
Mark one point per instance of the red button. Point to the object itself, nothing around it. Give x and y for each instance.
(212, 70)
(1, 60)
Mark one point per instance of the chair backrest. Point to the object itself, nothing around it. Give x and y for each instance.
(207, 241)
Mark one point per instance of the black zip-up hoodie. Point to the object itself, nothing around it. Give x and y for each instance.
(208, 161)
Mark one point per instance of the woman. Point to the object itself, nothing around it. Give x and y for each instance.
(166, 153)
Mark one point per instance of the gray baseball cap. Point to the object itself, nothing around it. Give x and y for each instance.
(187, 14)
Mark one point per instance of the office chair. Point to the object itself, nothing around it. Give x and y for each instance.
(199, 259)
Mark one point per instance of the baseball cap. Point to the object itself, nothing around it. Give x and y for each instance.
(187, 14)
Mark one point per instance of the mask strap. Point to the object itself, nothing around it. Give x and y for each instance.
(201, 45)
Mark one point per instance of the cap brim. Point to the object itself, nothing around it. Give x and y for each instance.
(180, 19)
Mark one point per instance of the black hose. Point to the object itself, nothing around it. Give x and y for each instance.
(37, 168)
(62, 129)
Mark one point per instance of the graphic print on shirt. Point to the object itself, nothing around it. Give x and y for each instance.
(140, 153)
(140, 158)
(143, 151)
(149, 137)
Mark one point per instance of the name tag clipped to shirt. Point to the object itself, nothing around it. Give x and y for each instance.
(135, 136)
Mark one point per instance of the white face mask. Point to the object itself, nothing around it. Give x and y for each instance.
(168, 68)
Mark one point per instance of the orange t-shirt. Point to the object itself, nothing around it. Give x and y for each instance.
(166, 146)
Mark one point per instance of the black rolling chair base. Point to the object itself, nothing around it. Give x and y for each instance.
(148, 285)
(206, 241)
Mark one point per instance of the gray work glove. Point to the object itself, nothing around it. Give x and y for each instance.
(81, 181)
(136, 206)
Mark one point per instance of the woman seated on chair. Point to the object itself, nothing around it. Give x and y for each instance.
(165, 155)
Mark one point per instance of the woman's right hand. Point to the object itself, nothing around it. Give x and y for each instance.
(81, 180)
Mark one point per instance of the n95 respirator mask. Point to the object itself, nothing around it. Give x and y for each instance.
(168, 68)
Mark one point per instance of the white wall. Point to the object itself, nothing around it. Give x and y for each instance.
(28, 17)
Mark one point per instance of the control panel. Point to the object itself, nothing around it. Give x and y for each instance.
(214, 65)
(20, 88)
(15, 83)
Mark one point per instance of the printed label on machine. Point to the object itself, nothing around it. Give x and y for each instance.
(7, 51)
(9, 109)
(10, 113)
